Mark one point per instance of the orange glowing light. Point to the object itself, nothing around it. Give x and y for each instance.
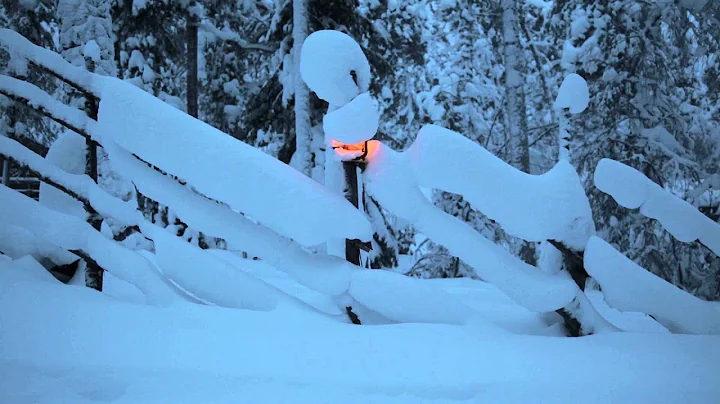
(361, 151)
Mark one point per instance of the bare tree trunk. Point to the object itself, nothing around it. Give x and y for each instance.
(515, 108)
(303, 135)
(192, 65)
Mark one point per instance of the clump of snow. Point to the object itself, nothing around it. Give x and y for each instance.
(533, 207)
(662, 137)
(573, 94)
(67, 153)
(224, 168)
(326, 62)
(91, 51)
(628, 287)
(631, 189)
(354, 122)
(390, 179)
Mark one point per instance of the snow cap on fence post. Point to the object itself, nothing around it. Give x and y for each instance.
(573, 98)
(334, 66)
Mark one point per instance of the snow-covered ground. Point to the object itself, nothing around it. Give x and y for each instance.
(70, 344)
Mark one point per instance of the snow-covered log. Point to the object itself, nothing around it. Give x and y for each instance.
(47, 60)
(633, 190)
(390, 180)
(551, 206)
(36, 98)
(628, 287)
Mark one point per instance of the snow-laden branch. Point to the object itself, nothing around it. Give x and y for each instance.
(224, 168)
(628, 287)
(228, 35)
(633, 190)
(37, 99)
(551, 206)
(48, 60)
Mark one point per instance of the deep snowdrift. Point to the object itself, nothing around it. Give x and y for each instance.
(76, 345)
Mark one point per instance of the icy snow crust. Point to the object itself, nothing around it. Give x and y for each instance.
(551, 206)
(225, 169)
(633, 190)
(390, 178)
(78, 346)
(326, 60)
(628, 287)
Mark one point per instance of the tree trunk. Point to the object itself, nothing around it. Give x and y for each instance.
(515, 108)
(5, 171)
(192, 66)
(302, 161)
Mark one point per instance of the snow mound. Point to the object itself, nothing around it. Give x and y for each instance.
(354, 122)
(533, 207)
(407, 300)
(327, 59)
(631, 189)
(208, 277)
(225, 169)
(628, 287)
(573, 94)
(58, 349)
(390, 180)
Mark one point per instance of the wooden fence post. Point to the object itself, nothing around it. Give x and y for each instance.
(93, 272)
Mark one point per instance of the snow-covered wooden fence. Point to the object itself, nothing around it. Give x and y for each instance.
(238, 193)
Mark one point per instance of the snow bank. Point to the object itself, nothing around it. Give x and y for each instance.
(573, 94)
(390, 180)
(354, 122)
(58, 349)
(631, 189)
(326, 60)
(628, 287)
(225, 169)
(72, 233)
(533, 207)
